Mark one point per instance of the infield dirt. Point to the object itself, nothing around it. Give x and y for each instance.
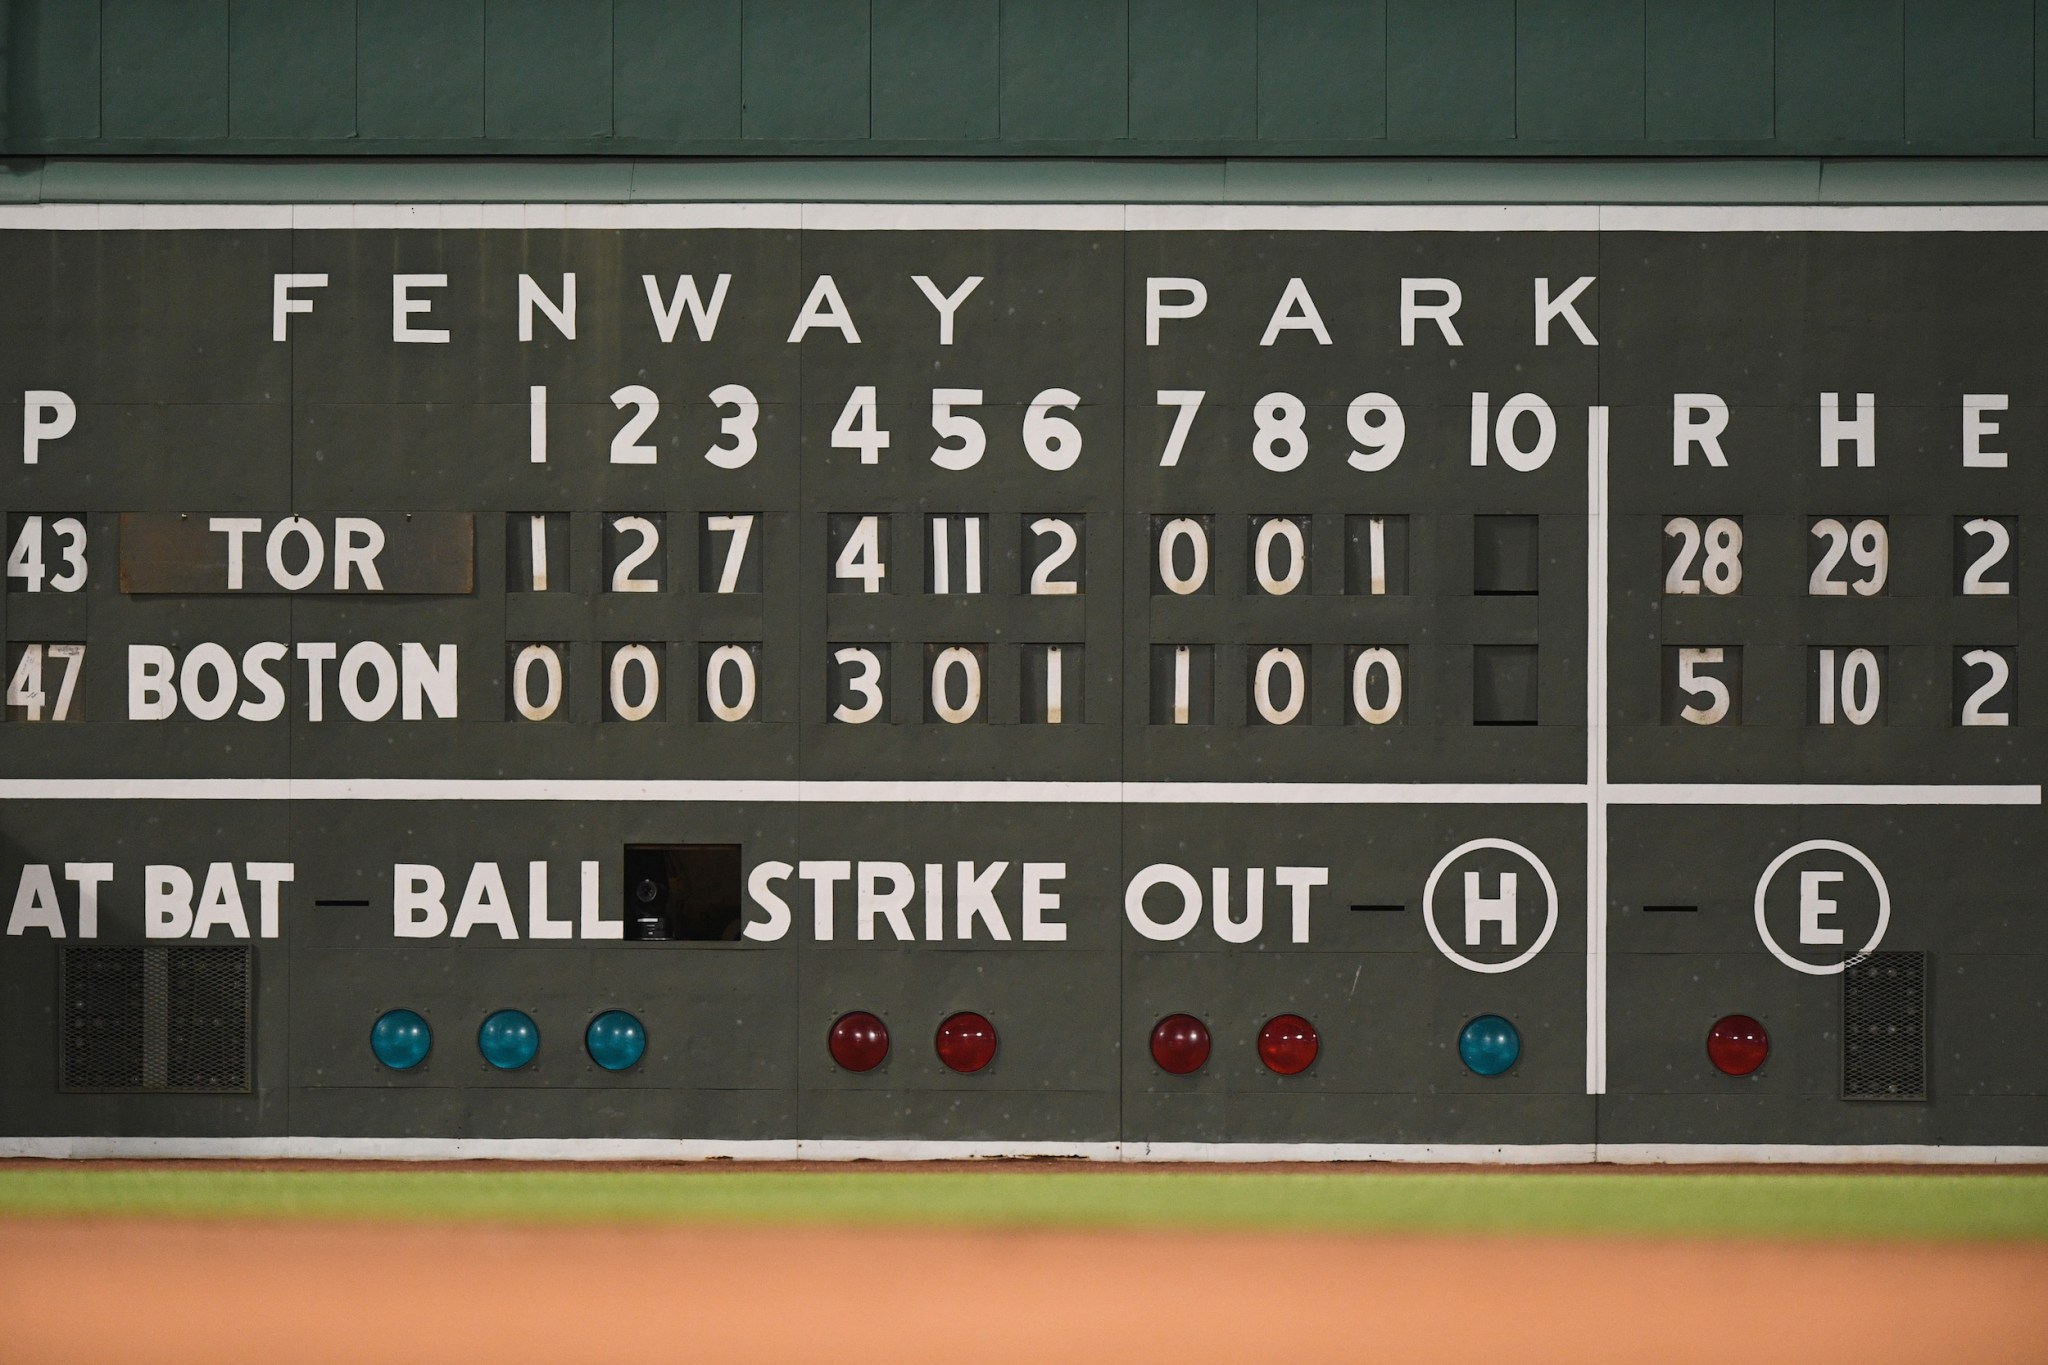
(83, 1290)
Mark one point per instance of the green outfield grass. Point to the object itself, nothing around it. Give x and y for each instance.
(1945, 1207)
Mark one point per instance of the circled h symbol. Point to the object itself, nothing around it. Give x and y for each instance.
(1429, 905)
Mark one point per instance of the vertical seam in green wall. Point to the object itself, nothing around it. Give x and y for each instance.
(1642, 112)
(1774, 78)
(1258, 7)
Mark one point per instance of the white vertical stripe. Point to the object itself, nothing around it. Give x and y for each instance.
(1596, 751)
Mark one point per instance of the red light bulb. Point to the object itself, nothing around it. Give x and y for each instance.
(1737, 1045)
(1288, 1044)
(1180, 1044)
(966, 1042)
(859, 1041)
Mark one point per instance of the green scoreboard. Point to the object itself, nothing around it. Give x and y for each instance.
(1173, 681)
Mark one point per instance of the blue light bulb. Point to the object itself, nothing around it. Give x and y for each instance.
(615, 1040)
(401, 1039)
(508, 1039)
(1489, 1045)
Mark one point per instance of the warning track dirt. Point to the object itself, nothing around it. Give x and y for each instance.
(223, 1292)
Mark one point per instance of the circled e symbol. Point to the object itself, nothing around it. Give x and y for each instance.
(1884, 905)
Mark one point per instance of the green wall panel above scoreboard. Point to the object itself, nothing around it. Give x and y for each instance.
(1104, 78)
(1362, 621)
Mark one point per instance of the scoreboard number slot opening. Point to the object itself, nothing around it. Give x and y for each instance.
(1055, 557)
(1848, 685)
(540, 680)
(729, 553)
(634, 560)
(1703, 685)
(46, 553)
(1983, 547)
(732, 682)
(633, 682)
(955, 693)
(1865, 542)
(1706, 554)
(1181, 560)
(1984, 689)
(537, 552)
(42, 682)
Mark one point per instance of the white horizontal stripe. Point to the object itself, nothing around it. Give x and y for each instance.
(1832, 1154)
(852, 792)
(185, 217)
(964, 217)
(995, 793)
(1821, 794)
(1825, 218)
(1013, 793)
(698, 216)
(842, 1149)
(1354, 793)
(385, 789)
(1431, 1153)
(910, 1149)
(71, 217)
(1361, 218)
(399, 1149)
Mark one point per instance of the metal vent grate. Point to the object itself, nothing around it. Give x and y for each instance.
(156, 1019)
(208, 1043)
(102, 1027)
(1884, 1028)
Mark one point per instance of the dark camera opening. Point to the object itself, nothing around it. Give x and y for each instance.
(685, 892)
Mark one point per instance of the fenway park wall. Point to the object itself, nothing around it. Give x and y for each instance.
(1529, 682)
(1211, 579)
